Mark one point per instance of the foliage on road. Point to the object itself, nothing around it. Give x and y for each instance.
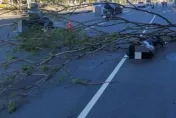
(50, 52)
(11, 107)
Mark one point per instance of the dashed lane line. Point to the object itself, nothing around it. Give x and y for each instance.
(150, 23)
(152, 19)
(102, 89)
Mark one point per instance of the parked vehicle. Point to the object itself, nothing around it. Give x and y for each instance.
(164, 4)
(141, 5)
(152, 6)
(117, 8)
(148, 3)
(145, 49)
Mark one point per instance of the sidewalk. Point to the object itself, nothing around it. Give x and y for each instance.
(81, 9)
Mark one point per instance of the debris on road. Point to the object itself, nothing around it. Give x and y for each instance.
(145, 49)
(87, 82)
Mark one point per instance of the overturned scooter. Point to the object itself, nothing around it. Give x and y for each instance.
(145, 49)
(35, 19)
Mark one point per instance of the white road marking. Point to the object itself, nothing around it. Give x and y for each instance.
(152, 19)
(94, 26)
(102, 23)
(150, 23)
(95, 98)
(7, 24)
(57, 23)
(144, 31)
(129, 13)
(89, 28)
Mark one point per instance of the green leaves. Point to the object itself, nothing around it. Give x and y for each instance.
(27, 69)
(44, 68)
(11, 77)
(114, 36)
(5, 65)
(79, 81)
(11, 107)
(35, 40)
(61, 78)
(11, 57)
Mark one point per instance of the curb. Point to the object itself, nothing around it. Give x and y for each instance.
(78, 12)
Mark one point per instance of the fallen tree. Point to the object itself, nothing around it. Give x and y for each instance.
(58, 44)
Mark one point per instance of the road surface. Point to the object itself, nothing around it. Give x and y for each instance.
(142, 89)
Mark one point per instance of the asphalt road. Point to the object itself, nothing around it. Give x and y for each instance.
(143, 89)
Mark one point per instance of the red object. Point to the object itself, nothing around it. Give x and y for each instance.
(69, 26)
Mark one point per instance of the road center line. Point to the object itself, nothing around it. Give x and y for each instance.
(150, 23)
(95, 98)
(144, 31)
(152, 19)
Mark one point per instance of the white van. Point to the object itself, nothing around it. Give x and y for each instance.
(148, 2)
